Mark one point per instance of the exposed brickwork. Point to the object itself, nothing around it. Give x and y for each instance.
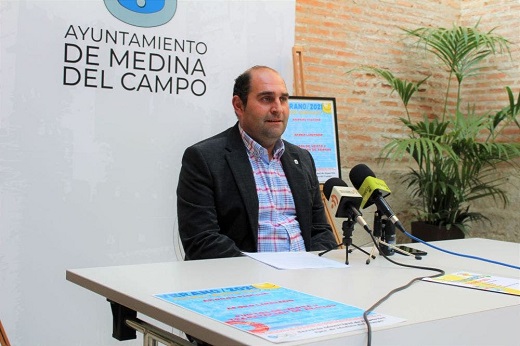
(340, 35)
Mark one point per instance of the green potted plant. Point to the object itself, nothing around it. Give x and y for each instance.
(454, 154)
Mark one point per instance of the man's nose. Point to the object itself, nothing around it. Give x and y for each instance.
(276, 107)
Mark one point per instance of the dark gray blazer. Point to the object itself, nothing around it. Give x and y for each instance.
(217, 204)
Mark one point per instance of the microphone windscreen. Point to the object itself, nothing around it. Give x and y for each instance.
(329, 185)
(359, 173)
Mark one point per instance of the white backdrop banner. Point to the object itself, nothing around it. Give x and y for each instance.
(99, 99)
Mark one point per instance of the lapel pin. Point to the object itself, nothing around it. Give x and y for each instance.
(296, 161)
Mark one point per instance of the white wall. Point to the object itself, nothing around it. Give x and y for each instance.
(88, 173)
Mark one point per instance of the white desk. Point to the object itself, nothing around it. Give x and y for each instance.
(435, 314)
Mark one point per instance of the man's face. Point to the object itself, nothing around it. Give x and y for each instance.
(265, 116)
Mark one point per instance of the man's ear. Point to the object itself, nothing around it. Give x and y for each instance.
(238, 106)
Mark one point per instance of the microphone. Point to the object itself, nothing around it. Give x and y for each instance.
(344, 201)
(373, 191)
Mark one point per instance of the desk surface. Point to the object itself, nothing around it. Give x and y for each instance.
(435, 314)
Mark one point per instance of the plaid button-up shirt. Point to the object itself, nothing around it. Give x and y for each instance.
(278, 227)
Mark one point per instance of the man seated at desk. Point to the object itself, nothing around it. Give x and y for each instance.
(246, 189)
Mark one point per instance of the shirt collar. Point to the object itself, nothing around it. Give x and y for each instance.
(256, 150)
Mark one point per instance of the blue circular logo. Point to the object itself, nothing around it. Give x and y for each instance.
(143, 13)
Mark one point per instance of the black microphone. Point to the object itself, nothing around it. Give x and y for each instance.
(373, 191)
(344, 201)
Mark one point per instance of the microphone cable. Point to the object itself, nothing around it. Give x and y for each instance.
(398, 289)
(440, 272)
(458, 253)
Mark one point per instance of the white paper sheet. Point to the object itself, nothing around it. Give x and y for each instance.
(294, 260)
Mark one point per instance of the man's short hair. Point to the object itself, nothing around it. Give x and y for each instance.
(243, 83)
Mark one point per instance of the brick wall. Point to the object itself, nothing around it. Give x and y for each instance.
(338, 36)
(488, 92)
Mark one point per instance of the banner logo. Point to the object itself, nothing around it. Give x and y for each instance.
(333, 201)
(142, 13)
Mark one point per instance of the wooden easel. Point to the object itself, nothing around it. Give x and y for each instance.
(299, 76)
(4, 341)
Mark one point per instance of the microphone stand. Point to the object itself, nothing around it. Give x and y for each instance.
(348, 228)
(384, 229)
(377, 232)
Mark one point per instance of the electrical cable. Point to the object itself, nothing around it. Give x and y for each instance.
(440, 272)
(392, 292)
(398, 289)
(457, 253)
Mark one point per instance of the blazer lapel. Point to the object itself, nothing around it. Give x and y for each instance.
(295, 177)
(241, 169)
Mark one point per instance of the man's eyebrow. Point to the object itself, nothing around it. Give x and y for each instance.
(271, 93)
(265, 93)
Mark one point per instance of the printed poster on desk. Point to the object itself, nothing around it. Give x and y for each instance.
(481, 282)
(276, 313)
(313, 126)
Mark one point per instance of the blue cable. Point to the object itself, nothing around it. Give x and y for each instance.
(459, 254)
